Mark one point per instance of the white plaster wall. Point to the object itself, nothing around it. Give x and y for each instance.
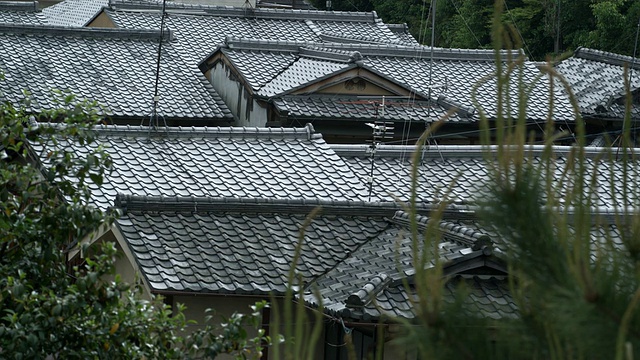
(246, 110)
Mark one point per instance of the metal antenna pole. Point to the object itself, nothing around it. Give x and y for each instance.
(433, 40)
(153, 121)
(635, 48)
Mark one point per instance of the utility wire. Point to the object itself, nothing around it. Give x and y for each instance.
(466, 23)
(524, 43)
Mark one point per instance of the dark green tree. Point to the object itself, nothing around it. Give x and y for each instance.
(48, 308)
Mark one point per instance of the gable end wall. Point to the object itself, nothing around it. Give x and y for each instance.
(246, 110)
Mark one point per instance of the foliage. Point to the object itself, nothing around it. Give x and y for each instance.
(578, 296)
(50, 309)
(543, 27)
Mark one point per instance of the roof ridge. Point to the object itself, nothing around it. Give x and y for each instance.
(132, 203)
(606, 57)
(318, 52)
(100, 33)
(26, 6)
(236, 43)
(378, 49)
(452, 151)
(261, 13)
(421, 51)
(331, 37)
(306, 132)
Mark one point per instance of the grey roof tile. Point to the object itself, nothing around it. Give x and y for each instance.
(355, 108)
(597, 79)
(21, 12)
(441, 165)
(299, 73)
(240, 258)
(73, 13)
(451, 76)
(262, 163)
(199, 29)
(369, 282)
(105, 65)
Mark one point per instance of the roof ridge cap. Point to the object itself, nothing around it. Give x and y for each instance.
(237, 43)
(306, 132)
(26, 6)
(318, 52)
(338, 38)
(367, 293)
(260, 13)
(85, 32)
(453, 151)
(422, 51)
(606, 57)
(252, 205)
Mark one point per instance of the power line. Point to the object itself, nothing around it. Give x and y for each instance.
(453, 2)
(518, 30)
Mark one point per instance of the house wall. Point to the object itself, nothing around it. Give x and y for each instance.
(225, 306)
(243, 106)
(356, 86)
(101, 21)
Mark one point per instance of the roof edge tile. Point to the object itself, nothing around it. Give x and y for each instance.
(260, 13)
(26, 6)
(158, 204)
(307, 132)
(99, 33)
(452, 151)
(606, 57)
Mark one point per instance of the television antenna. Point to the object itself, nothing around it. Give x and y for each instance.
(380, 131)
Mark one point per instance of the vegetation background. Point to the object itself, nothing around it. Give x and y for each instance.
(543, 27)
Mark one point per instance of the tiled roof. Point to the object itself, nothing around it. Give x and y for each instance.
(369, 283)
(21, 12)
(453, 72)
(297, 163)
(200, 28)
(229, 246)
(286, 4)
(114, 67)
(465, 165)
(362, 108)
(597, 79)
(73, 13)
(299, 73)
(220, 162)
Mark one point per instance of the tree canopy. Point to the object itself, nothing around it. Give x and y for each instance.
(51, 309)
(541, 27)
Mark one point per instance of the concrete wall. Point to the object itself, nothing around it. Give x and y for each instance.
(245, 109)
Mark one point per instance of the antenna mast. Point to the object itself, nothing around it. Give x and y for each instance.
(154, 118)
(381, 130)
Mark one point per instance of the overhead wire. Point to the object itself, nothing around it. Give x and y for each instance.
(513, 21)
(453, 2)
